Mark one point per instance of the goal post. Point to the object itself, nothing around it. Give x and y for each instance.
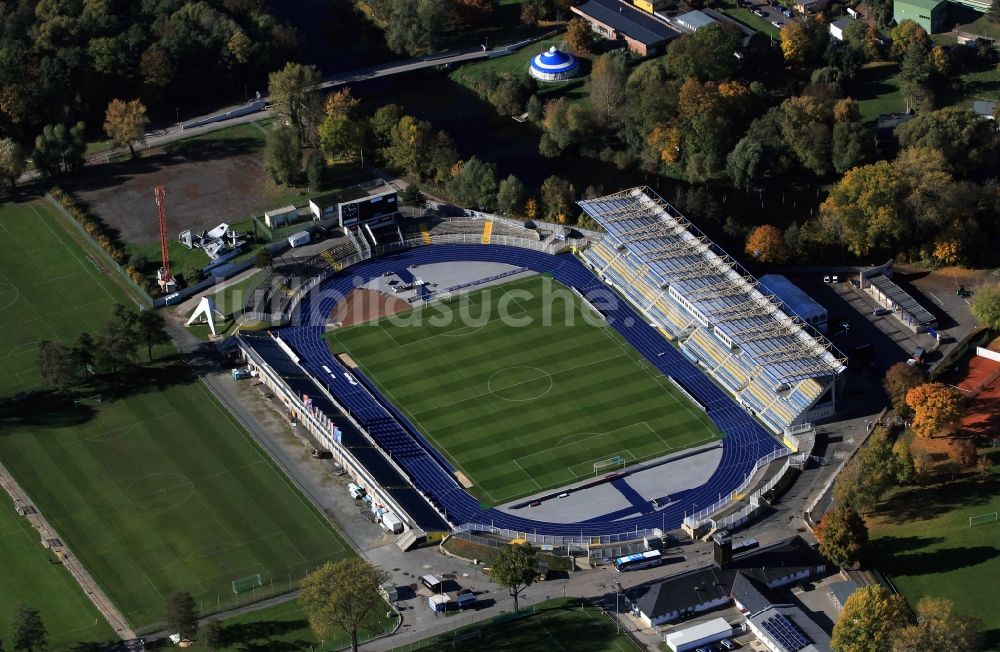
(983, 518)
(616, 462)
(247, 583)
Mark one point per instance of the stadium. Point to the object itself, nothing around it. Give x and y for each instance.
(685, 383)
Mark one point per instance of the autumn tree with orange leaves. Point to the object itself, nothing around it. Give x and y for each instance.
(767, 244)
(938, 409)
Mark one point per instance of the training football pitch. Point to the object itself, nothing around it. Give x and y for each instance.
(523, 388)
(158, 491)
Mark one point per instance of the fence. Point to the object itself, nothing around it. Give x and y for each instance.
(143, 296)
(740, 516)
(702, 516)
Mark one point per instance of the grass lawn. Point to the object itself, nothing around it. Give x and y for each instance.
(879, 90)
(923, 541)
(284, 627)
(555, 625)
(528, 395)
(30, 578)
(575, 90)
(752, 21)
(156, 491)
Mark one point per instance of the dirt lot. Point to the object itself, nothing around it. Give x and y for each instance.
(362, 306)
(208, 181)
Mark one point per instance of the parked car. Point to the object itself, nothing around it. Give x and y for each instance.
(855, 283)
(962, 292)
(878, 312)
(778, 25)
(760, 12)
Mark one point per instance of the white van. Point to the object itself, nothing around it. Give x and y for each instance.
(356, 491)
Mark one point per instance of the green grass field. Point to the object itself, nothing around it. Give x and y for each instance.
(556, 625)
(923, 541)
(158, 491)
(878, 91)
(523, 409)
(283, 627)
(30, 578)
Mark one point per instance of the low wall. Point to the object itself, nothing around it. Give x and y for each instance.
(253, 107)
(986, 353)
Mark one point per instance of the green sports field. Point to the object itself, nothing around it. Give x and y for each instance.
(523, 388)
(923, 541)
(155, 492)
(30, 578)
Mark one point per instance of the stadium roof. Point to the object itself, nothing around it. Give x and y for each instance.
(714, 287)
(792, 296)
(627, 20)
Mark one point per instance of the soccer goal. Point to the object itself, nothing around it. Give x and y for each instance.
(616, 462)
(247, 583)
(88, 400)
(983, 518)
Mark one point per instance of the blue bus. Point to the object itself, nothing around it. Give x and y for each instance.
(638, 560)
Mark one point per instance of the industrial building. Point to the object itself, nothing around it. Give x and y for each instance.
(644, 34)
(692, 21)
(795, 302)
(929, 14)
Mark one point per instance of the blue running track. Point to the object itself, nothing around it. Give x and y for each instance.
(745, 441)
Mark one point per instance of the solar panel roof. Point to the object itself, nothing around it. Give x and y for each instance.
(786, 632)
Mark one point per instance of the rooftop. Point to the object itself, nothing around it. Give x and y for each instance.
(792, 295)
(720, 292)
(902, 298)
(694, 20)
(626, 19)
(926, 5)
(698, 632)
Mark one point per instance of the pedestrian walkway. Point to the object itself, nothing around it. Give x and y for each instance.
(52, 540)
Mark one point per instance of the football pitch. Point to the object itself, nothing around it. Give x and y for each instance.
(158, 491)
(523, 388)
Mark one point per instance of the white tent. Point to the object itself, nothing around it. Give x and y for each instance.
(205, 312)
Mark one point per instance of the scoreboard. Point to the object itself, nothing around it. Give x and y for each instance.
(373, 210)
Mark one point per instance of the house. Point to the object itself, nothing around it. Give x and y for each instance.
(837, 28)
(649, 6)
(985, 110)
(278, 216)
(729, 580)
(929, 14)
(692, 21)
(810, 6)
(644, 34)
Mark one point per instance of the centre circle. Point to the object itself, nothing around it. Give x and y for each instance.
(520, 383)
(160, 490)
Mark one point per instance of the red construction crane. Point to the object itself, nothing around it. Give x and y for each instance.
(161, 204)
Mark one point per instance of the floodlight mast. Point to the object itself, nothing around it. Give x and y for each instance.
(161, 207)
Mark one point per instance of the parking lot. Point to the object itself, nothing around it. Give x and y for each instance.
(769, 11)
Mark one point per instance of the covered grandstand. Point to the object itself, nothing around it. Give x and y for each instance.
(699, 297)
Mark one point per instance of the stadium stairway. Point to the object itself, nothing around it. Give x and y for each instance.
(745, 440)
(487, 231)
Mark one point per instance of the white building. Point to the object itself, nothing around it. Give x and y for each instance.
(694, 637)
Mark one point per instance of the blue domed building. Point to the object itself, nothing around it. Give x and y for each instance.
(553, 65)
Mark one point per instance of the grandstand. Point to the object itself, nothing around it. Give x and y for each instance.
(713, 309)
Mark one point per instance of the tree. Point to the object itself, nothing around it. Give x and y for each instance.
(263, 258)
(211, 635)
(853, 145)
(915, 72)
(899, 379)
(905, 34)
(869, 620)
(283, 154)
(292, 96)
(384, 122)
(993, 13)
(843, 536)
(744, 164)
(706, 55)
(118, 341)
(58, 148)
(125, 123)
(181, 614)
(937, 409)
(766, 244)
(315, 170)
(580, 36)
(11, 160)
(56, 366)
(27, 630)
(337, 597)
(514, 569)
(151, 328)
(410, 145)
(557, 196)
(803, 41)
(475, 184)
(985, 306)
(510, 195)
(938, 627)
(416, 26)
(862, 211)
(340, 136)
(968, 143)
(607, 85)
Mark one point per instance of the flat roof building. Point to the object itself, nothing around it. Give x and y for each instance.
(644, 34)
(929, 14)
(795, 302)
(698, 635)
(692, 21)
(903, 306)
